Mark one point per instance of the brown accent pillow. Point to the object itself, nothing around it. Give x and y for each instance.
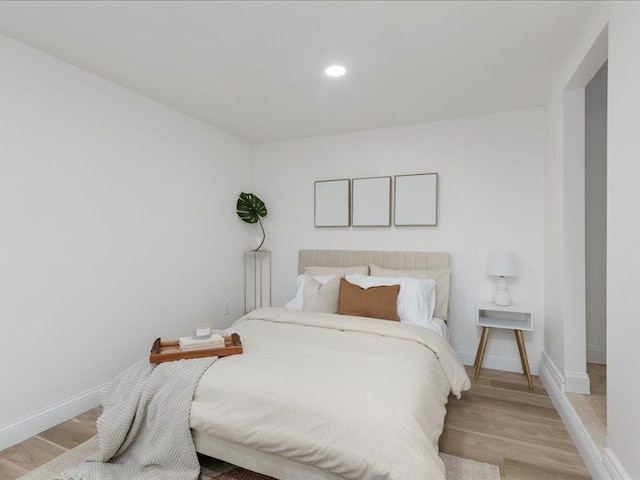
(374, 302)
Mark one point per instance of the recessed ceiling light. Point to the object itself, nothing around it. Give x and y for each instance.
(335, 71)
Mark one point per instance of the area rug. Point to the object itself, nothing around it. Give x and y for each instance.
(212, 469)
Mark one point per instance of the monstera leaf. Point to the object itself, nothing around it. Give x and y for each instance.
(250, 208)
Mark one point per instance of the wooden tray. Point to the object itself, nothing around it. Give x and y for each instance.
(170, 351)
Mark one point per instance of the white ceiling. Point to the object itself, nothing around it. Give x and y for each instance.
(255, 69)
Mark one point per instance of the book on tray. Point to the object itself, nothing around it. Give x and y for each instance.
(189, 343)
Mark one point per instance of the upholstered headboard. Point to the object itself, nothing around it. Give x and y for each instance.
(354, 258)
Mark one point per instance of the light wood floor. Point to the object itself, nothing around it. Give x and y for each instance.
(30, 454)
(501, 421)
(498, 421)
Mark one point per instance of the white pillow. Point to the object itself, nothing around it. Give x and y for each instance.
(441, 276)
(416, 300)
(298, 301)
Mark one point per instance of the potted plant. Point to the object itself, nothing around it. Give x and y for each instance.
(251, 209)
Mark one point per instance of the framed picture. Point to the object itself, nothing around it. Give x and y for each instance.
(416, 199)
(332, 203)
(371, 203)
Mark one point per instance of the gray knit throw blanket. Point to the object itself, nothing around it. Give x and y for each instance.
(144, 429)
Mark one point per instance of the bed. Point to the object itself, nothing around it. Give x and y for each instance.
(325, 396)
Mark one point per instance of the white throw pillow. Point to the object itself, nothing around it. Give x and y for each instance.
(416, 300)
(297, 303)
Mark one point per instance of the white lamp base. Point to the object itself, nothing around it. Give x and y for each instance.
(502, 297)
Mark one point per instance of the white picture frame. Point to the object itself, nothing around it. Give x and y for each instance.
(332, 203)
(371, 202)
(416, 200)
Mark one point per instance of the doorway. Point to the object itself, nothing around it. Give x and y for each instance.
(596, 216)
(593, 408)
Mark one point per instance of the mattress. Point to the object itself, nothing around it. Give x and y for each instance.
(318, 396)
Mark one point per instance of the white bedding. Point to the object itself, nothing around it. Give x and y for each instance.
(355, 397)
(440, 327)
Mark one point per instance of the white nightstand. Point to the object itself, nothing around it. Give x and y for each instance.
(514, 317)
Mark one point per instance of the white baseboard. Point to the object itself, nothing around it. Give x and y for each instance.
(596, 355)
(496, 362)
(30, 425)
(602, 465)
(576, 382)
(548, 368)
(613, 467)
(590, 452)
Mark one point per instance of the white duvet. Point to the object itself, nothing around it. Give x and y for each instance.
(357, 397)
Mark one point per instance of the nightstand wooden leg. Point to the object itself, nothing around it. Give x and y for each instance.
(475, 361)
(523, 356)
(481, 349)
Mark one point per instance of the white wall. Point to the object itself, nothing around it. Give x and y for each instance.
(623, 236)
(596, 214)
(491, 198)
(623, 231)
(573, 240)
(553, 234)
(118, 226)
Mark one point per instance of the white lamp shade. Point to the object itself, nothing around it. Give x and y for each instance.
(502, 264)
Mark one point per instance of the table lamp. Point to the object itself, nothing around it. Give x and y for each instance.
(502, 264)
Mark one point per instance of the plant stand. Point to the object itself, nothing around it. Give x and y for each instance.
(257, 279)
